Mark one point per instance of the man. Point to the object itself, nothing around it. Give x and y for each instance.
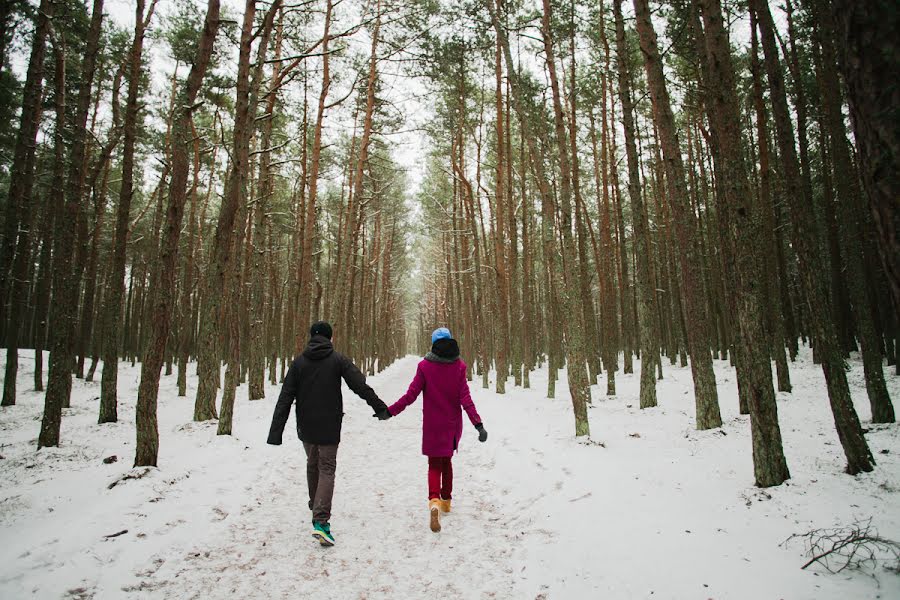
(314, 381)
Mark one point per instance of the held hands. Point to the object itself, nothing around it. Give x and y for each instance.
(383, 415)
(482, 434)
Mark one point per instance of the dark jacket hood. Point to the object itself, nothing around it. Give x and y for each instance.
(319, 347)
(444, 350)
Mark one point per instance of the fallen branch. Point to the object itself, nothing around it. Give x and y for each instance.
(116, 534)
(855, 547)
(127, 476)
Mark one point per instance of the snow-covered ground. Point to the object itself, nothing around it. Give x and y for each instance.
(651, 509)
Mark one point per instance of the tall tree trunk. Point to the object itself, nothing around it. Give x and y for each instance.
(579, 387)
(163, 279)
(259, 313)
(501, 319)
(309, 224)
(356, 199)
(610, 319)
(870, 58)
(863, 303)
(42, 286)
(186, 305)
(649, 345)
(208, 352)
(115, 287)
(859, 457)
(707, 405)
(56, 379)
(237, 313)
(736, 210)
(64, 309)
(17, 235)
(767, 208)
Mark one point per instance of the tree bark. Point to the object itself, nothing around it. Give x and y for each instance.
(309, 223)
(501, 319)
(64, 309)
(767, 208)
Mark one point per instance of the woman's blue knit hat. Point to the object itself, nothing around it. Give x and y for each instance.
(440, 333)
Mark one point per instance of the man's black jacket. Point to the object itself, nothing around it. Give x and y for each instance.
(314, 380)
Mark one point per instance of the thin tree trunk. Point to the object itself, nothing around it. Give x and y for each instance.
(208, 353)
(766, 207)
(115, 287)
(501, 319)
(576, 370)
(649, 346)
(309, 224)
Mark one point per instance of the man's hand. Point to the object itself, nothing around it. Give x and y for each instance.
(273, 441)
(482, 434)
(383, 415)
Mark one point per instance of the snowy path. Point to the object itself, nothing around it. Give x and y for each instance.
(658, 511)
(384, 548)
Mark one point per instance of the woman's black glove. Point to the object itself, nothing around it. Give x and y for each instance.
(482, 434)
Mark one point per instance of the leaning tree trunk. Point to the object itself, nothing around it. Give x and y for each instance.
(859, 457)
(163, 280)
(242, 242)
(260, 317)
(741, 224)
(697, 336)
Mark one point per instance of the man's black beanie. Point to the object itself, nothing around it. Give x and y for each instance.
(321, 328)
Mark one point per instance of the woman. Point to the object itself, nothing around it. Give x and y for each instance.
(441, 375)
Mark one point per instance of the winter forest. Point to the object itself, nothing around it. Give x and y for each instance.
(663, 234)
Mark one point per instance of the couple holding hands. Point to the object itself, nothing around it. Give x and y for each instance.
(314, 381)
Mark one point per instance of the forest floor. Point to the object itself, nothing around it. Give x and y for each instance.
(651, 508)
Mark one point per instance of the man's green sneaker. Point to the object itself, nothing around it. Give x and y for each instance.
(322, 532)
